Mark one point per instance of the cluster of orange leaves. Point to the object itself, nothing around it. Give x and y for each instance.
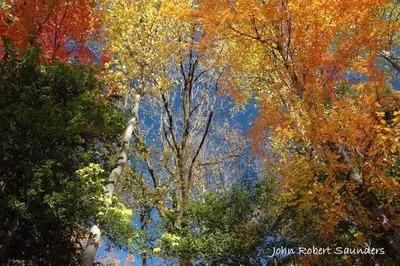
(60, 28)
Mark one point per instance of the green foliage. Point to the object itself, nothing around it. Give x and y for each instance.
(228, 228)
(110, 212)
(54, 120)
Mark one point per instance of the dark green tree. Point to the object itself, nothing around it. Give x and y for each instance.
(54, 120)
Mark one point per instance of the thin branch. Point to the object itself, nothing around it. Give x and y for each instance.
(166, 137)
(147, 160)
(391, 60)
(220, 160)
(200, 145)
(257, 38)
(171, 124)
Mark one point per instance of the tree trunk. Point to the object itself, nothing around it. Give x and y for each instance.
(5, 241)
(90, 251)
(143, 226)
(185, 205)
(89, 255)
(185, 262)
(390, 239)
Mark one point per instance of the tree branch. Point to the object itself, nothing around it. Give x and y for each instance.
(200, 145)
(171, 125)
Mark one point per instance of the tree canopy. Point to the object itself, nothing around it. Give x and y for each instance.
(199, 133)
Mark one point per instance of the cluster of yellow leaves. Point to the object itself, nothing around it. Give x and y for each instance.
(142, 42)
(93, 176)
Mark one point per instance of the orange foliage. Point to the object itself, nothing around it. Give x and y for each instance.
(60, 28)
(296, 57)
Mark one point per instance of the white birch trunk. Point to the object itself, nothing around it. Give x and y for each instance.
(90, 251)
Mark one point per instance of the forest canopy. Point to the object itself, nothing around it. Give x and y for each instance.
(159, 132)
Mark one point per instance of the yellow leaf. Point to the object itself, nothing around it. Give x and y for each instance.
(156, 250)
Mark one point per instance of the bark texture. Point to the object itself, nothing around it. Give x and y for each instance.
(90, 251)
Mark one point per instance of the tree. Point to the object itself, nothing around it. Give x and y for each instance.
(133, 71)
(329, 125)
(179, 159)
(229, 228)
(60, 28)
(153, 57)
(54, 121)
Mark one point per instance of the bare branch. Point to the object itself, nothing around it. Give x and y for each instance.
(200, 145)
(171, 124)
